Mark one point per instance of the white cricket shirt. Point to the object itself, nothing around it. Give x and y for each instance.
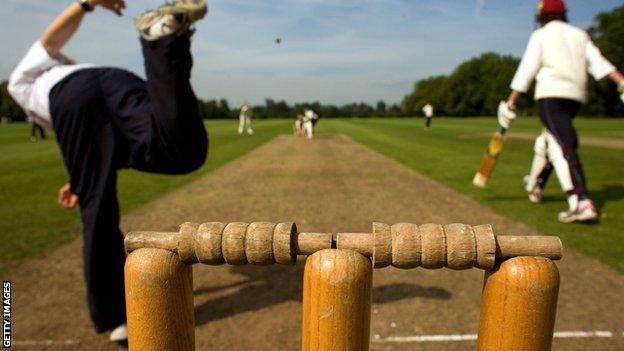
(34, 78)
(428, 110)
(559, 56)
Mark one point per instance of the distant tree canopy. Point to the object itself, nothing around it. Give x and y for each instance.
(476, 86)
(607, 32)
(211, 109)
(8, 107)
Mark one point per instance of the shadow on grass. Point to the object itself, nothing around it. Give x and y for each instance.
(272, 285)
(610, 192)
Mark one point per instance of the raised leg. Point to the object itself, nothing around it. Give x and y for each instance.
(159, 301)
(518, 306)
(336, 301)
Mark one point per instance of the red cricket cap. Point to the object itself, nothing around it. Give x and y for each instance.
(552, 6)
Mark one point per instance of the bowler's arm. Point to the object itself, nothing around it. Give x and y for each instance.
(61, 30)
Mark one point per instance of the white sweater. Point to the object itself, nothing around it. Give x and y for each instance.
(34, 78)
(558, 56)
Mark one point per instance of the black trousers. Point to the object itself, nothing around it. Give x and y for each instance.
(557, 116)
(107, 119)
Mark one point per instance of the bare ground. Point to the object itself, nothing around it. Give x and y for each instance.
(328, 184)
(607, 143)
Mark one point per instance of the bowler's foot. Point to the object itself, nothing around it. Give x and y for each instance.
(119, 334)
(173, 18)
(585, 212)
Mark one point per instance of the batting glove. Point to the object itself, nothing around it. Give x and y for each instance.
(506, 114)
(621, 90)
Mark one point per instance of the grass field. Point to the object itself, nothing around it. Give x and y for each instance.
(452, 152)
(31, 222)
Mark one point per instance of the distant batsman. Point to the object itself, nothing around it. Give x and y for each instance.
(559, 56)
(108, 118)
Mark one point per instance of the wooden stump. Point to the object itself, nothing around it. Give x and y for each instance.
(518, 306)
(159, 301)
(337, 289)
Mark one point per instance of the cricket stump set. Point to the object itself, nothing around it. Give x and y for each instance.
(518, 303)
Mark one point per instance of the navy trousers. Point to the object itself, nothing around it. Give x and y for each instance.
(106, 119)
(557, 116)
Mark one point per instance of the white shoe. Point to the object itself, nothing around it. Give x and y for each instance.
(173, 18)
(250, 131)
(119, 334)
(585, 212)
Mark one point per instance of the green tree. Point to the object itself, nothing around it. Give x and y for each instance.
(429, 90)
(8, 107)
(380, 111)
(607, 32)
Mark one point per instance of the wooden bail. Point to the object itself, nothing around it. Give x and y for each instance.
(337, 290)
(518, 306)
(159, 301)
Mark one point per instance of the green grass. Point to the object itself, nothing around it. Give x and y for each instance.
(30, 220)
(31, 223)
(451, 154)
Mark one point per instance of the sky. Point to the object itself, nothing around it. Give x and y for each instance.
(332, 51)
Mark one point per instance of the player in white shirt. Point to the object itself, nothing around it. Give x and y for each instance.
(428, 111)
(310, 118)
(244, 117)
(106, 119)
(559, 56)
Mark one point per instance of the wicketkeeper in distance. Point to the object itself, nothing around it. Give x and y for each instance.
(559, 56)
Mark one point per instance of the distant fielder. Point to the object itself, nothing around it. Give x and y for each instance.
(428, 111)
(559, 55)
(244, 117)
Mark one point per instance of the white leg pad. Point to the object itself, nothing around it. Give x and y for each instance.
(540, 160)
(555, 153)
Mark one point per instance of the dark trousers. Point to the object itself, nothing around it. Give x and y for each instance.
(107, 119)
(557, 116)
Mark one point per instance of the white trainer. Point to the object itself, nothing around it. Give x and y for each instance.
(119, 334)
(585, 212)
(173, 18)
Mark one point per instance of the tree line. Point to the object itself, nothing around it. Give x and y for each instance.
(476, 86)
(219, 109)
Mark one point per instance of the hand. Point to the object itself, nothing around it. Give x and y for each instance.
(621, 89)
(66, 198)
(116, 6)
(506, 114)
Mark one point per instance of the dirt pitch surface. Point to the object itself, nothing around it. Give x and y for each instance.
(328, 184)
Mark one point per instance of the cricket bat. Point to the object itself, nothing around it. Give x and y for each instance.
(488, 162)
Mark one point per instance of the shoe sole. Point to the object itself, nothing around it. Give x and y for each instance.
(193, 12)
(580, 218)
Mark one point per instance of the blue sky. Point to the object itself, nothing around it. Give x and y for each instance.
(334, 51)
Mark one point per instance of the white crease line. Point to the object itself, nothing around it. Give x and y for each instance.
(45, 342)
(584, 334)
(429, 338)
(472, 337)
